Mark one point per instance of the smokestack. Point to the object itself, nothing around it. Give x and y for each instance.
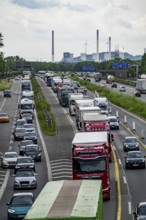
(109, 48)
(52, 46)
(97, 47)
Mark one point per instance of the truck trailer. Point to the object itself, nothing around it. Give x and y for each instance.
(68, 200)
(141, 85)
(90, 158)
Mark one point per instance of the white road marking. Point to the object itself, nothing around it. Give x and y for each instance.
(124, 179)
(2, 104)
(129, 208)
(119, 161)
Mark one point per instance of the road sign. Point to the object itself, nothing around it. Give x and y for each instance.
(120, 65)
(88, 68)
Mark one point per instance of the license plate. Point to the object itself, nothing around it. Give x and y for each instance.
(135, 165)
(21, 216)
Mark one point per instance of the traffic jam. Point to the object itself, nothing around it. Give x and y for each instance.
(91, 146)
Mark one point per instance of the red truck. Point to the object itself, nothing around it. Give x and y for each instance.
(93, 122)
(90, 158)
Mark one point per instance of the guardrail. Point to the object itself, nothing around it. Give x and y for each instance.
(47, 117)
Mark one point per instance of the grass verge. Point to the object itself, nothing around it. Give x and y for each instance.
(40, 105)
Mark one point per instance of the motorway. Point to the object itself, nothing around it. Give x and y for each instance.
(127, 188)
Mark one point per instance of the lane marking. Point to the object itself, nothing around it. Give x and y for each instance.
(124, 180)
(2, 104)
(129, 208)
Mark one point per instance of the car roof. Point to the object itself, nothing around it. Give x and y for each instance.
(112, 116)
(10, 152)
(23, 193)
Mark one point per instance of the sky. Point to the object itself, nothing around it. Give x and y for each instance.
(27, 25)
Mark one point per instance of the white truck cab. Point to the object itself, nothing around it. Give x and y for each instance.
(102, 103)
(72, 98)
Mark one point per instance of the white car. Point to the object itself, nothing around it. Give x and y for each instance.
(9, 159)
(29, 127)
(122, 89)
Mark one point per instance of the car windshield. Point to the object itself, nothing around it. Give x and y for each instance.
(3, 114)
(24, 143)
(24, 173)
(134, 155)
(24, 160)
(130, 140)
(31, 148)
(22, 200)
(28, 126)
(113, 120)
(20, 131)
(20, 122)
(10, 155)
(142, 210)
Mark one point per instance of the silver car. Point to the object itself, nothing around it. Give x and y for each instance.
(9, 159)
(25, 179)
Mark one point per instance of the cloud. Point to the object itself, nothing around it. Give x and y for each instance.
(36, 4)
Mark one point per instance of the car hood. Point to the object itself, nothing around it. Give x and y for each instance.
(135, 159)
(32, 154)
(21, 209)
(25, 178)
(10, 159)
(132, 144)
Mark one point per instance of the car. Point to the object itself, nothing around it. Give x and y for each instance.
(82, 90)
(137, 93)
(140, 212)
(114, 123)
(29, 127)
(20, 122)
(103, 84)
(4, 117)
(7, 93)
(135, 159)
(31, 136)
(25, 179)
(19, 133)
(22, 146)
(24, 162)
(9, 159)
(19, 205)
(130, 143)
(114, 85)
(28, 117)
(34, 151)
(122, 89)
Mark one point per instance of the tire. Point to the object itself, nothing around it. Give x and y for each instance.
(126, 167)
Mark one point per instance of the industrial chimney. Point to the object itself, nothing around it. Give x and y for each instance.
(109, 48)
(52, 46)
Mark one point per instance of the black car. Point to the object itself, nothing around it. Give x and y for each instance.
(34, 151)
(24, 163)
(31, 136)
(22, 146)
(140, 212)
(7, 93)
(134, 159)
(28, 117)
(137, 93)
(130, 143)
(19, 133)
(114, 85)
